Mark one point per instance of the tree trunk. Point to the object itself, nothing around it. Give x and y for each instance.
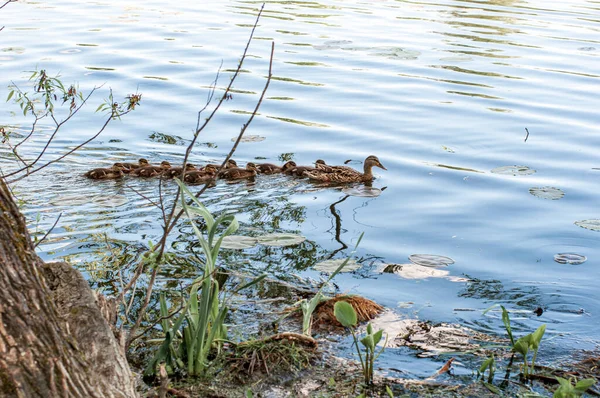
(54, 341)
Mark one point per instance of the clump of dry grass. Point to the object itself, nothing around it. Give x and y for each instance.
(283, 352)
(365, 310)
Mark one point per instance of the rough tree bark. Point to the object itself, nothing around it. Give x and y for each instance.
(54, 341)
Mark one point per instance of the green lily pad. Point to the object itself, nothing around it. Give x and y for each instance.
(70, 200)
(513, 170)
(570, 258)
(279, 240)
(430, 260)
(547, 193)
(249, 138)
(362, 191)
(332, 265)
(238, 242)
(593, 225)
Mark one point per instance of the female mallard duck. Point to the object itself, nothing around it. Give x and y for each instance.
(105, 174)
(198, 176)
(152, 171)
(129, 167)
(269, 168)
(343, 174)
(176, 171)
(239, 173)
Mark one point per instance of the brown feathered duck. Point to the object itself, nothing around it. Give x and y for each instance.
(113, 172)
(151, 171)
(129, 167)
(238, 173)
(345, 174)
(269, 168)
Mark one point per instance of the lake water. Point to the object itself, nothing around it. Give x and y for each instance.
(441, 91)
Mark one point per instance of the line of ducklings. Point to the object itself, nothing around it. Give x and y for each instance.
(193, 175)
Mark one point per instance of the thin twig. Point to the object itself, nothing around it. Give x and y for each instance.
(527, 134)
(143, 196)
(48, 233)
(53, 135)
(112, 116)
(3, 5)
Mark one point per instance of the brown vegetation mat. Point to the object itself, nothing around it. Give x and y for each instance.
(281, 352)
(365, 310)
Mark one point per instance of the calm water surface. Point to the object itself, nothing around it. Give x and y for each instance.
(441, 91)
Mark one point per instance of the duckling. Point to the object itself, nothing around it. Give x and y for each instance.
(343, 174)
(269, 168)
(229, 165)
(129, 167)
(151, 171)
(105, 174)
(239, 173)
(176, 171)
(198, 176)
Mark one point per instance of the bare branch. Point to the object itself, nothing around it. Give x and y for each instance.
(143, 196)
(111, 117)
(47, 233)
(3, 5)
(59, 125)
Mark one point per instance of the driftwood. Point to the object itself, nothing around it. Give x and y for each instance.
(54, 340)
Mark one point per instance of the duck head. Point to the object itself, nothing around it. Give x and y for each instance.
(288, 166)
(372, 161)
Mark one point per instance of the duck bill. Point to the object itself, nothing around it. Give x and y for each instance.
(380, 165)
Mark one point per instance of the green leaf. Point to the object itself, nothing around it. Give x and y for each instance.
(368, 342)
(389, 391)
(345, 314)
(583, 385)
(536, 337)
(492, 388)
(377, 336)
(563, 382)
(522, 345)
(10, 94)
(506, 321)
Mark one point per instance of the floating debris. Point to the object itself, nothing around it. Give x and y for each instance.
(513, 170)
(430, 260)
(249, 138)
(431, 339)
(570, 258)
(362, 191)
(547, 193)
(593, 225)
(331, 265)
(279, 240)
(415, 271)
(238, 242)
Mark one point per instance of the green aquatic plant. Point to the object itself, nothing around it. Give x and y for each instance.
(530, 342)
(346, 315)
(572, 388)
(200, 327)
(489, 365)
